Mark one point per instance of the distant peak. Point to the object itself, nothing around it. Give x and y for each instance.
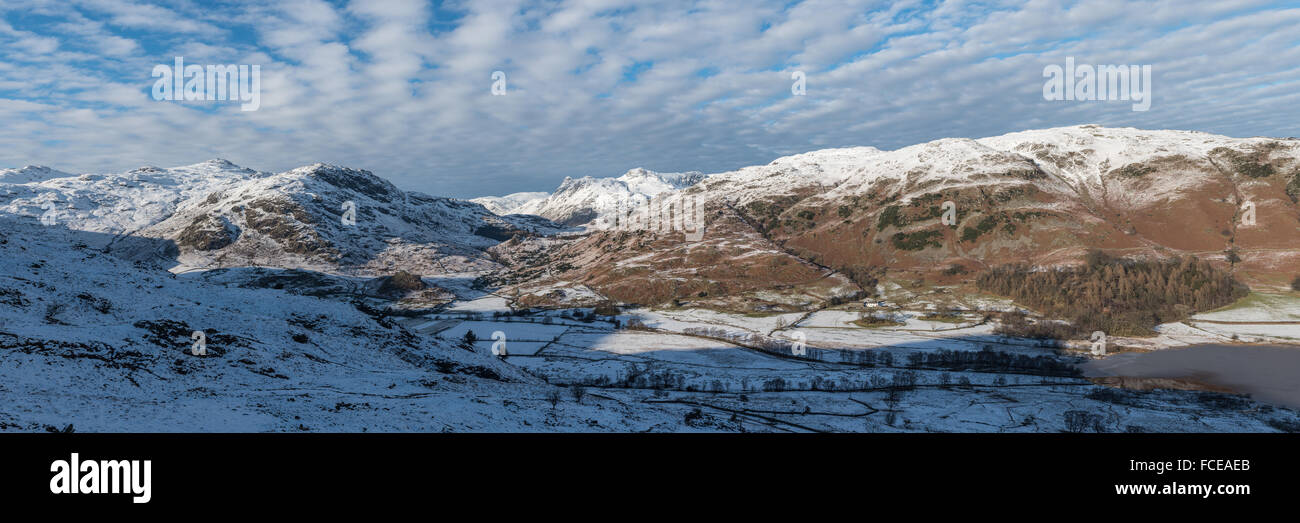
(329, 171)
(324, 167)
(215, 164)
(359, 180)
(30, 173)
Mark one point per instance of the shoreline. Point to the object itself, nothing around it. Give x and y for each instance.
(1263, 372)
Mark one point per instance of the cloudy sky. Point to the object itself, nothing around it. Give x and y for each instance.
(596, 87)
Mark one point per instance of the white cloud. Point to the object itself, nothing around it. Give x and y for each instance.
(142, 15)
(403, 88)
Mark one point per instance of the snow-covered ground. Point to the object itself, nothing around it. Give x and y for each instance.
(678, 320)
(1258, 307)
(1258, 318)
(1253, 333)
(97, 343)
(845, 381)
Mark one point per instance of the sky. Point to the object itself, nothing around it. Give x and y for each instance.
(597, 87)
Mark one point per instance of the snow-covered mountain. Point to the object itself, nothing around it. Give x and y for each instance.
(580, 201)
(119, 203)
(217, 214)
(30, 173)
(322, 215)
(507, 204)
(1038, 197)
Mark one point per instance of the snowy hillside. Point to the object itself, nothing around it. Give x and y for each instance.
(1044, 190)
(1039, 197)
(91, 342)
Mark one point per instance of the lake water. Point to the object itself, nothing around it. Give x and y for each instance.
(1269, 374)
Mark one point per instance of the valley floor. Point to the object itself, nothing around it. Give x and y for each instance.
(719, 366)
(92, 343)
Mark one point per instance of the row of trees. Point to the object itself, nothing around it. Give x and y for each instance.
(989, 360)
(1117, 296)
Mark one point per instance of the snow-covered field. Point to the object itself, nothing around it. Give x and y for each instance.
(736, 388)
(677, 320)
(1258, 307)
(1259, 318)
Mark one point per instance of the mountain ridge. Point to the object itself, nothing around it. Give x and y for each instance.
(219, 214)
(580, 201)
(1042, 197)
